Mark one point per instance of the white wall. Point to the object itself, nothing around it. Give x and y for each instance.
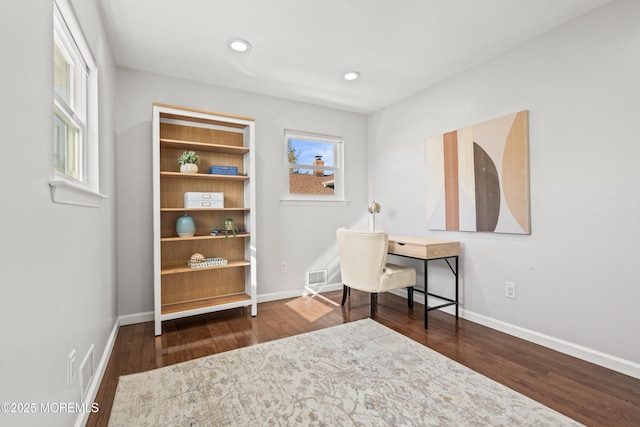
(302, 236)
(576, 274)
(58, 288)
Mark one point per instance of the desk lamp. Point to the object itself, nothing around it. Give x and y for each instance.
(374, 208)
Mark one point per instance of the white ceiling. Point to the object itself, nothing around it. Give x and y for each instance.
(301, 48)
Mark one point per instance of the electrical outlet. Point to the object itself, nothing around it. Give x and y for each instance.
(71, 367)
(283, 267)
(510, 290)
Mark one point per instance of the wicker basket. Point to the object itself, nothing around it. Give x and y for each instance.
(208, 262)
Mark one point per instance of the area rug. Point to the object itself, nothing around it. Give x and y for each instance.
(355, 374)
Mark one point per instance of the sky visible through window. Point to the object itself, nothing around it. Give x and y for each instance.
(308, 150)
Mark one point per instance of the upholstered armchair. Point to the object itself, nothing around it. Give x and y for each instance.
(363, 266)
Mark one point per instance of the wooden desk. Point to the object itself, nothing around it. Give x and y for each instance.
(428, 249)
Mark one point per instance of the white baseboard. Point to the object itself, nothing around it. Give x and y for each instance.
(132, 319)
(278, 295)
(626, 367)
(308, 290)
(617, 364)
(92, 391)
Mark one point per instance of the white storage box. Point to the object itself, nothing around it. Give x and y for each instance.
(203, 200)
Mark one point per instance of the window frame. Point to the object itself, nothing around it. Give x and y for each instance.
(80, 111)
(338, 168)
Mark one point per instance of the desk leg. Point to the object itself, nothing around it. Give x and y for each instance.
(426, 294)
(450, 302)
(456, 274)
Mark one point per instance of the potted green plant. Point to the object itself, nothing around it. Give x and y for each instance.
(230, 227)
(189, 162)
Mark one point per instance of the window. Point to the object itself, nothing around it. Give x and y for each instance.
(75, 110)
(69, 103)
(314, 171)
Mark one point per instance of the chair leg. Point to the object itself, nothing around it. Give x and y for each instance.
(410, 296)
(345, 290)
(374, 304)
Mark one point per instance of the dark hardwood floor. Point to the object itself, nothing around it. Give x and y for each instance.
(590, 394)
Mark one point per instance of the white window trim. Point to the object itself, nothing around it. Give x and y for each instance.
(69, 194)
(336, 199)
(63, 188)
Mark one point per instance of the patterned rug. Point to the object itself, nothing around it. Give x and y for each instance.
(354, 374)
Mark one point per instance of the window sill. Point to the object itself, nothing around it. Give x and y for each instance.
(69, 194)
(302, 202)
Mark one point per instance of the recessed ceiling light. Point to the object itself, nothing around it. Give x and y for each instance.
(239, 45)
(351, 75)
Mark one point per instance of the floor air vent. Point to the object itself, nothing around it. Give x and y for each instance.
(317, 277)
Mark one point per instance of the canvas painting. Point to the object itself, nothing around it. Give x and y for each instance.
(478, 177)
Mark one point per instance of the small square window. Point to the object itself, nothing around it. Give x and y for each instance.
(314, 170)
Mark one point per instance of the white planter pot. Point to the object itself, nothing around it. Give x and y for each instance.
(189, 168)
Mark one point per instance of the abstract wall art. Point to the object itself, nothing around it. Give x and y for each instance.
(478, 177)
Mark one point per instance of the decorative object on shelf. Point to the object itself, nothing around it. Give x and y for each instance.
(186, 226)
(189, 168)
(189, 162)
(223, 170)
(230, 226)
(203, 200)
(208, 262)
(221, 232)
(374, 208)
(196, 258)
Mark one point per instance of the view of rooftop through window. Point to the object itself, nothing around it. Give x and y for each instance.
(315, 171)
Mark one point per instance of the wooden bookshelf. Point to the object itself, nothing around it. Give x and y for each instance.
(220, 140)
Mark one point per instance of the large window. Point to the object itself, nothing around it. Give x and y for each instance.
(75, 112)
(314, 171)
